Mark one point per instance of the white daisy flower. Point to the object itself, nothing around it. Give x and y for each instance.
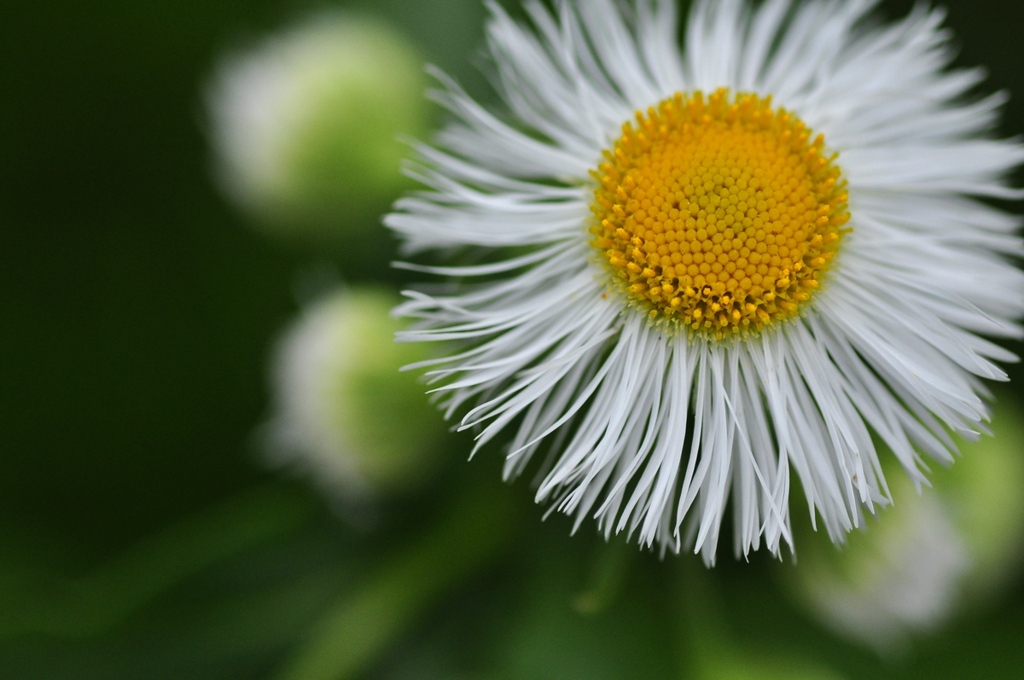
(750, 255)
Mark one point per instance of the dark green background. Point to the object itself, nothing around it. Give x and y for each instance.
(137, 308)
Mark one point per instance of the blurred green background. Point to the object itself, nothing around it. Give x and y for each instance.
(140, 536)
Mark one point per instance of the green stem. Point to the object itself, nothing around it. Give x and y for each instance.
(611, 563)
(363, 624)
(701, 624)
(711, 651)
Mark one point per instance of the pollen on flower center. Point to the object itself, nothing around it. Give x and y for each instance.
(718, 213)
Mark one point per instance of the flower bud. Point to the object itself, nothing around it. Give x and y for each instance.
(344, 411)
(306, 125)
(931, 554)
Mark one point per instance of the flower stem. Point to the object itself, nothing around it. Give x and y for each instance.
(364, 623)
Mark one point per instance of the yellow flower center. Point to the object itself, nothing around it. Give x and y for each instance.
(718, 214)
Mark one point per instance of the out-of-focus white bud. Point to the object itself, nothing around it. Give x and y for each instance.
(930, 555)
(344, 412)
(982, 492)
(306, 125)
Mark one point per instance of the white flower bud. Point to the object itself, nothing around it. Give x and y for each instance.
(344, 411)
(306, 125)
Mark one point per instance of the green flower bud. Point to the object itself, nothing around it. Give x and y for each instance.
(306, 126)
(344, 410)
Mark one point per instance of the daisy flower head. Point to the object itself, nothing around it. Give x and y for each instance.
(748, 250)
